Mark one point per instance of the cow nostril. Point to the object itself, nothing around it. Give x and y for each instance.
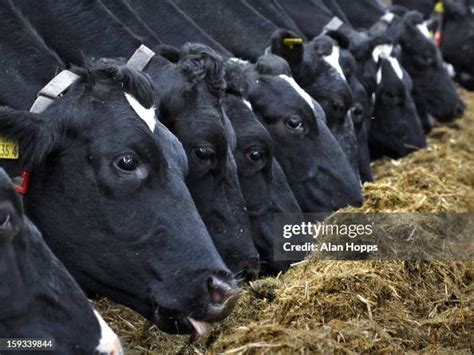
(219, 291)
(338, 106)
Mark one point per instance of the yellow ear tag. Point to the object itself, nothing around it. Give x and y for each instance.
(439, 7)
(8, 149)
(292, 41)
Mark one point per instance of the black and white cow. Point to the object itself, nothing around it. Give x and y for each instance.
(188, 94)
(38, 297)
(316, 167)
(191, 91)
(107, 190)
(434, 91)
(264, 184)
(316, 68)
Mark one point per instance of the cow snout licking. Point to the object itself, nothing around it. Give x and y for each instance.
(208, 299)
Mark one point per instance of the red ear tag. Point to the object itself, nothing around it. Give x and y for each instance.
(25, 179)
(437, 38)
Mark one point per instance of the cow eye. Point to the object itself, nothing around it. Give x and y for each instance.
(295, 123)
(255, 154)
(127, 162)
(205, 153)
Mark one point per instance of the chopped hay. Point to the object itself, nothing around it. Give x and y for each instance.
(354, 306)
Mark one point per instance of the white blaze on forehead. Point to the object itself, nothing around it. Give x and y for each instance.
(238, 60)
(249, 105)
(388, 17)
(146, 114)
(423, 27)
(109, 341)
(299, 90)
(384, 51)
(333, 60)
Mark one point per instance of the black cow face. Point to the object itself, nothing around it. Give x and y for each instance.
(112, 207)
(433, 90)
(263, 182)
(190, 107)
(316, 167)
(39, 298)
(396, 129)
(360, 113)
(316, 68)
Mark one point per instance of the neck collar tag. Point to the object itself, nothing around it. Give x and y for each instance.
(51, 91)
(54, 89)
(332, 25)
(140, 59)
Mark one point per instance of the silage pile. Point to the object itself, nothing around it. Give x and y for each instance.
(365, 306)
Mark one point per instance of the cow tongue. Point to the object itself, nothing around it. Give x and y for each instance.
(202, 328)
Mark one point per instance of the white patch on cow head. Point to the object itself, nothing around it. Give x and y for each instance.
(249, 105)
(146, 114)
(299, 90)
(384, 51)
(238, 60)
(333, 60)
(423, 27)
(109, 342)
(388, 17)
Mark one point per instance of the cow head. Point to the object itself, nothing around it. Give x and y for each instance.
(316, 68)
(263, 182)
(111, 205)
(38, 296)
(433, 90)
(360, 113)
(313, 161)
(396, 129)
(190, 92)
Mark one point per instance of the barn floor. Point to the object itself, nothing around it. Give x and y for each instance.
(346, 307)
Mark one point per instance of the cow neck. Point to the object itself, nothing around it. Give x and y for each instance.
(92, 32)
(28, 72)
(14, 266)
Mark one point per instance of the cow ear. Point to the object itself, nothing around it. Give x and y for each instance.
(289, 46)
(35, 140)
(238, 75)
(274, 65)
(413, 18)
(341, 39)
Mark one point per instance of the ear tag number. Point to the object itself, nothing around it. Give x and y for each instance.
(8, 149)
